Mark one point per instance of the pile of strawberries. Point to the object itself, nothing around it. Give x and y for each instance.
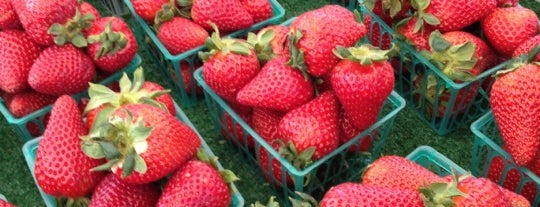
(127, 148)
(51, 48)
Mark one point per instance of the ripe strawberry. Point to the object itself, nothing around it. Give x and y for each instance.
(323, 29)
(234, 132)
(198, 183)
(507, 3)
(359, 195)
(454, 15)
(506, 28)
(148, 10)
(534, 166)
(24, 103)
(112, 44)
(147, 143)
(16, 58)
(389, 10)
(111, 191)
(228, 15)
(265, 123)
(313, 125)
(376, 35)
(272, 169)
(38, 16)
(9, 18)
(260, 10)
(179, 35)
(527, 46)
(411, 175)
(269, 42)
(511, 180)
(228, 66)
(417, 36)
(515, 199)
(87, 8)
(61, 70)
(4, 203)
(187, 77)
(62, 169)
(278, 87)
(347, 132)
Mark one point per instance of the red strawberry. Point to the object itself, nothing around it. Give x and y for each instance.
(4, 203)
(9, 18)
(382, 172)
(389, 10)
(111, 191)
(507, 3)
(112, 44)
(179, 35)
(527, 46)
(198, 183)
(148, 10)
(260, 10)
(38, 16)
(61, 168)
(275, 176)
(187, 77)
(16, 58)
(506, 28)
(359, 195)
(323, 29)
(228, 66)
(278, 87)
(515, 199)
(22, 104)
(269, 42)
(147, 143)
(362, 81)
(265, 123)
(347, 132)
(236, 133)
(87, 8)
(534, 166)
(417, 36)
(61, 70)
(454, 15)
(375, 33)
(512, 178)
(313, 125)
(228, 15)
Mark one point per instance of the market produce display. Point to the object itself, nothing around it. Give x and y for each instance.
(314, 104)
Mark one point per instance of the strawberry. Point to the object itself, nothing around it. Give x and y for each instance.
(269, 42)
(61, 168)
(507, 3)
(362, 80)
(527, 46)
(534, 166)
(228, 66)
(16, 58)
(454, 15)
(273, 169)
(228, 15)
(376, 35)
(112, 44)
(179, 35)
(87, 8)
(278, 87)
(411, 175)
(359, 195)
(513, 108)
(144, 143)
(506, 28)
(512, 178)
(111, 191)
(9, 18)
(416, 36)
(236, 133)
(313, 125)
(24, 103)
(187, 77)
(260, 10)
(347, 132)
(37, 16)
(4, 203)
(198, 183)
(515, 199)
(323, 29)
(61, 70)
(389, 10)
(148, 10)
(265, 123)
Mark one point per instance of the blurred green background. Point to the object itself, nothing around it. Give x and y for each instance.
(409, 132)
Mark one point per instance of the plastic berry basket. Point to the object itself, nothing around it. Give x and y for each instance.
(116, 7)
(2, 197)
(412, 70)
(339, 166)
(350, 4)
(434, 161)
(30, 150)
(171, 65)
(487, 147)
(35, 120)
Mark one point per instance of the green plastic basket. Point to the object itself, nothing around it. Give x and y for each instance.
(434, 161)
(350, 4)
(487, 146)
(171, 64)
(37, 118)
(2, 197)
(411, 69)
(30, 149)
(337, 167)
(116, 7)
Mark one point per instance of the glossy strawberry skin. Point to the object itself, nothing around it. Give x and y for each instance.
(9, 18)
(274, 175)
(62, 169)
(260, 10)
(265, 123)
(228, 15)
(419, 39)
(234, 132)
(480, 192)
(111, 63)
(196, 184)
(24, 103)
(16, 58)
(512, 178)
(111, 191)
(87, 8)
(147, 10)
(359, 195)
(179, 35)
(347, 132)
(527, 46)
(458, 14)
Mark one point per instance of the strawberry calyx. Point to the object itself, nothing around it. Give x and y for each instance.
(303, 200)
(228, 176)
(167, 12)
(517, 62)
(71, 31)
(393, 7)
(441, 194)
(365, 54)
(271, 203)
(261, 44)
(299, 160)
(297, 59)
(227, 45)
(420, 14)
(185, 9)
(111, 41)
(72, 202)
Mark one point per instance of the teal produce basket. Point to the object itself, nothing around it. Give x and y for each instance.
(36, 119)
(412, 72)
(30, 150)
(2, 197)
(339, 166)
(434, 161)
(487, 148)
(172, 65)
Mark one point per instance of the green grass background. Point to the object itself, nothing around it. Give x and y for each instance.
(409, 132)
